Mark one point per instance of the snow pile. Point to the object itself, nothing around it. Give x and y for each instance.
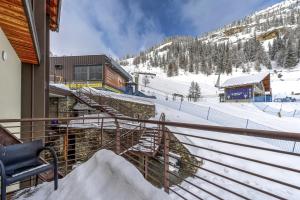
(104, 176)
(60, 86)
(244, 80)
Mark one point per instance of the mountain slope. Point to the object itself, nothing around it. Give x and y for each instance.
(269, 38)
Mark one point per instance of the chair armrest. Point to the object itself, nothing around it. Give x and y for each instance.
(2, 170)
(52, 152)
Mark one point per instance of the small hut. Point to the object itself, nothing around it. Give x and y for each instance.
(251, 88)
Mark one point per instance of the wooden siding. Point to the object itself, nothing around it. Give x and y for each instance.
(68, 63)
(267, 83)
(15, 24)
(113, 79)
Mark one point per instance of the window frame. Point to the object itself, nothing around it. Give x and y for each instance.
(89, 72)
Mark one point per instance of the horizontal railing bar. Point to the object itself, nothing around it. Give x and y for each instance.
(178, 194)
(49, 119)
(206, 191)
(243, 158)
(185, 189)
(228, 178)
(234, 143)
(215, 184)
(247, 172)
(223, 129)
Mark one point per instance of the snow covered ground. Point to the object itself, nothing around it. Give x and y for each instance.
(245, 115)
(230, 114)
(236, 114)
(275, 158)
(105, 176)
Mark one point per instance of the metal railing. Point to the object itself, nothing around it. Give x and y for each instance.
(192, 161)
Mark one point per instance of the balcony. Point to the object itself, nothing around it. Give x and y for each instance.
(187, 161)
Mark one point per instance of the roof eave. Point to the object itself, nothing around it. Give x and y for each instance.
(32, 27)
(58, 15)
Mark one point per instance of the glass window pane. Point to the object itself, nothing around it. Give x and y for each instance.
(81, 73)
(95, 72)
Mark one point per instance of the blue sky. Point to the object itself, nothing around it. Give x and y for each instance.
(120, 27)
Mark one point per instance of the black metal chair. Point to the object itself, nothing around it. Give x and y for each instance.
(21, 161)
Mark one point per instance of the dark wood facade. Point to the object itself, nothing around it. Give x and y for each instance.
(35, 74)
(62, 69)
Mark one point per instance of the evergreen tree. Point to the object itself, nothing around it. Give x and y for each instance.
(272, 50)
(299, 47)
(146, 80)
(291, 55)
(197, 92)
(194, 91)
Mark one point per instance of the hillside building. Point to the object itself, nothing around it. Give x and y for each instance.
(252, 88)
(97, 71)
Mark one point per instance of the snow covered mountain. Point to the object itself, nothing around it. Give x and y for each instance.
(267, 39)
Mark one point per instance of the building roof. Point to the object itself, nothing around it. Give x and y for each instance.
(18, 24)
(16, 21)
(245, 80)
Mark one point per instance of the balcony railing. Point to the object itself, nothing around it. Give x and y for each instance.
(190, 161)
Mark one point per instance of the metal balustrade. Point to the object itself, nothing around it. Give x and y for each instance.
(190, 161)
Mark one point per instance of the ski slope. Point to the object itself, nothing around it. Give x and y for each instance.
(244, 115)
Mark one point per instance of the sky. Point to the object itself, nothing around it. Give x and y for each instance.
(126, 27)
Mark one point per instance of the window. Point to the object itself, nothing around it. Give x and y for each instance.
(88, 73)
(58, 67)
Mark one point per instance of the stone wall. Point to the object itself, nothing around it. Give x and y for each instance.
(129, 108)
(61, 106)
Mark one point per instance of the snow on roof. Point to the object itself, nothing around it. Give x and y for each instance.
(104, 176)
(245, 80)
(60, 86)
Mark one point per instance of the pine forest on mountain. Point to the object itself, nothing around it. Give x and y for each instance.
(266, 39)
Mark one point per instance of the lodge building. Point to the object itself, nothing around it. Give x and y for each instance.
(98, 71)
(252, 88)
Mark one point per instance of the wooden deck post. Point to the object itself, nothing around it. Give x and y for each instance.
(166, 175)
(118, 142)
(166, 161)
(145, 167)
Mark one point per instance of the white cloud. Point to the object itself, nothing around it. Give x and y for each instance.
(76, 36)
(103, 26)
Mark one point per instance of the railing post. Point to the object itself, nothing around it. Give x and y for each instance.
(166, 161)
(101, 132)
(294, 112)
(66, 147)
(118, 142)
(208, 113)
(166, 175)
(294, 147)
(264, 110)
(146, 166)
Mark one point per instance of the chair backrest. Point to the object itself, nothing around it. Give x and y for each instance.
(18, 153)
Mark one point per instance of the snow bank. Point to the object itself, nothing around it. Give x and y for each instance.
(104, 176)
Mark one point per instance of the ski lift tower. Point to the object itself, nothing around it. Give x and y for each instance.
(137, 76)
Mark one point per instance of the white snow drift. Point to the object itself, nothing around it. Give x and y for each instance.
(104, 176)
